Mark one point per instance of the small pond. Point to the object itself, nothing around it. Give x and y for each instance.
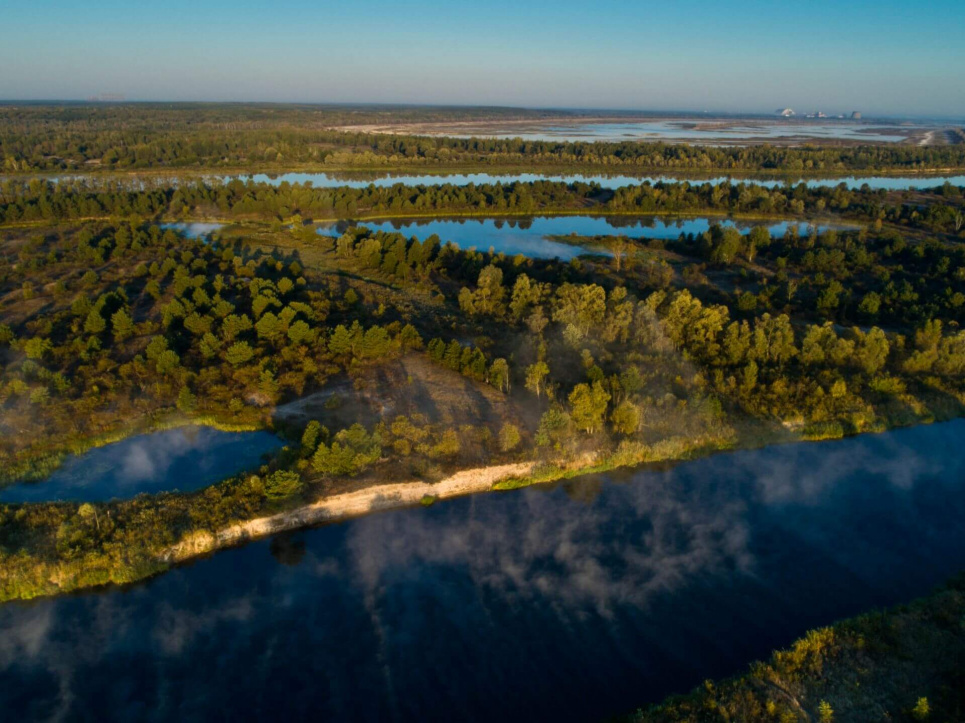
(541, 237)
(185, 459)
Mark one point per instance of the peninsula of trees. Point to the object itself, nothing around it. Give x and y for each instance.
(110, 323)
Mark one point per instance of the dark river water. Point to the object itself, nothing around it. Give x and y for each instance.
(567, 603)
(185, 459)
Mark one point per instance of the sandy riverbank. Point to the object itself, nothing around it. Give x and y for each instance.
(351, 504)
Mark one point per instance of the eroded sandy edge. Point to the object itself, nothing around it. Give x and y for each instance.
(350, 504)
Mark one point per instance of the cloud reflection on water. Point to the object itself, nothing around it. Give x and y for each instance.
(568, 607)
(185, 458)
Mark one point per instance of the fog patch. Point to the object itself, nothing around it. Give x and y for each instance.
(176, 629)
(641, 540)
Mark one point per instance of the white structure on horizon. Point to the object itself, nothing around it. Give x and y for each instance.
(785, 112)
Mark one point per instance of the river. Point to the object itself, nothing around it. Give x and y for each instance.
(568, 602)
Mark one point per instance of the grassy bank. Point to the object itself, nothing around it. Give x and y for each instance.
(902, 664)
(179, 519)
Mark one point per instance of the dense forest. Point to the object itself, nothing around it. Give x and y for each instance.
(57, 138)
(940, 210)
(659, 350)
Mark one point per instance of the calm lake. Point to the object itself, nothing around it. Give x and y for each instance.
(534, 236)
(185, 459)
(566, 603)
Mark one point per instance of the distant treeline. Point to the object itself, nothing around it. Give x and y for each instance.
(185, 136)
(936, 210)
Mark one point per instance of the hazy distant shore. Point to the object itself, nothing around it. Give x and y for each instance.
(718, 130)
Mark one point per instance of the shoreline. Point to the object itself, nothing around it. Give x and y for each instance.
(479, 480)
(562, 168)
(344, 506)
(398, 495)
(76, 447)
(456, 215)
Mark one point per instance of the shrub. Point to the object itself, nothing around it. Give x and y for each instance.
(283, 483)
(508, 437)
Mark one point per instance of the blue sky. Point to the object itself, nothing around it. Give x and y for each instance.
(886, 57)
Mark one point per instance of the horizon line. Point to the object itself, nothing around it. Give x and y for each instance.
(94, 101)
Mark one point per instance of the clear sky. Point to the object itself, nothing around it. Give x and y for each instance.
(884, 57)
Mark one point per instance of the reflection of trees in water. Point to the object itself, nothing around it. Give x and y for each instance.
(288, 549)
(583, 489)
(619, 546)
(662, 531)
(183, 458)
(654, 557)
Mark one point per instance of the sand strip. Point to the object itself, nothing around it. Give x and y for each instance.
(350, 504)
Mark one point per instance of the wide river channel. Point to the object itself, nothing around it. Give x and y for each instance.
(570, 602)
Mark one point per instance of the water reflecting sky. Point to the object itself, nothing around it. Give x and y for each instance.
(534, 237)
(565, 603)
(610, 181)
(185, 459)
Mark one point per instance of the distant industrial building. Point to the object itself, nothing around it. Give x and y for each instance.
(785, 112)
(856, 115)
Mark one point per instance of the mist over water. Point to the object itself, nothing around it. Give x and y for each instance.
(570, 602)
(184, 459)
